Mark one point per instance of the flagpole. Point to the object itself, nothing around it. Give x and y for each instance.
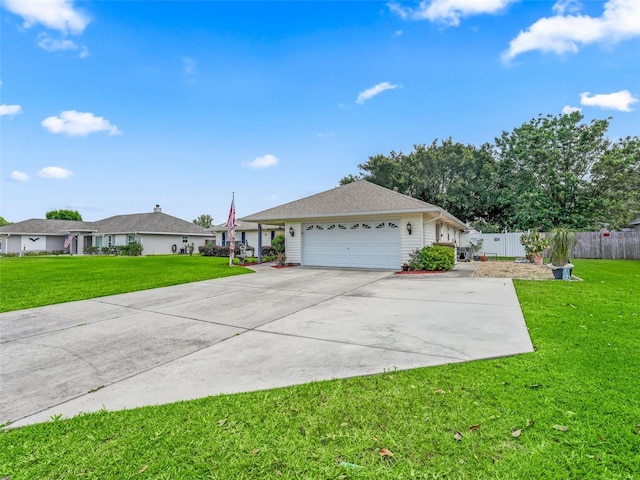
(231, 228)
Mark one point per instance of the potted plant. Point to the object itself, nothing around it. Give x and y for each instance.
(476, 245)
(534, 245)
(562, 239)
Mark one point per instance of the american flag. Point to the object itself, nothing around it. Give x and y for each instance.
(231, 228)
(67, 240)
(231, 221)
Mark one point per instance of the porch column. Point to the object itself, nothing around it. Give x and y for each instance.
(259, 243)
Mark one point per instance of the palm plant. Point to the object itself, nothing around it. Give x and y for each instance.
(562, 239)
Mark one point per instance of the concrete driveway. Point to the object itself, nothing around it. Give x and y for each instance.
(274, 328)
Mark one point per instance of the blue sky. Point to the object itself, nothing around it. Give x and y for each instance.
(112, 107)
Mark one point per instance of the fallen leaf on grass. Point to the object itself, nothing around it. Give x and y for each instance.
(439, 390)
(560, 428)
(222, 422)
(142, 469)
(473, 428)
(516, 433)
(278, 473)
(383, 452)
(255, 451)
(534, 386)
(457, 436)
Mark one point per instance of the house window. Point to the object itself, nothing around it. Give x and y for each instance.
(366, 225)
(380, 225)
(99, 241)
(224, 239)
(273, 234)
(331, 227)
(354, 226)
(109, 240)
(185, 239)
(342, 227)
(393, 225)
(132, 239)
(243, 237)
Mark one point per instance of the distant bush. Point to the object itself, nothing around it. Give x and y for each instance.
(278, 243)
(220, 251)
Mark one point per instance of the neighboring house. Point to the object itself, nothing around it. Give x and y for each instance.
(361, 225)
(247, 233)
(157, 232)
(634, 225)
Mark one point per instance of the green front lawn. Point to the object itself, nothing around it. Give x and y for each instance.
(27, 282)
(569, 410)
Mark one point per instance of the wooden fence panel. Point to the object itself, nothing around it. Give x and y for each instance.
(617, 245)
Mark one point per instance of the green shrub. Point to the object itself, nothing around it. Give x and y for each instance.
(435, 258)
(133, 249)
(278, 243)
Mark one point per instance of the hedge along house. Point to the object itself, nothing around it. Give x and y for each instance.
(247, 233)
(360, 225)
(157, 232)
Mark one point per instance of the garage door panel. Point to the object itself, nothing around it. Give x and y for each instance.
(352, 244)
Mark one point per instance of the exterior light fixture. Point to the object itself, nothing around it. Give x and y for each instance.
(291, 231)
(409, 227)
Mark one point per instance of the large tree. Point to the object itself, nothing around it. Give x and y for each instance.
(616, 182)
(204, 220)
(63, 215)
(552, 171)
(544, 173)
(449, 174)
(3, 222)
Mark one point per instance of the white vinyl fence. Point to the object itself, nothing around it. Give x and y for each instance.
(609, 245)
(502, 244)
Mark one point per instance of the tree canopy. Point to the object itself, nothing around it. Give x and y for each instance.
(553, 171)
(204, 220)
(63, 215)
(3, 222)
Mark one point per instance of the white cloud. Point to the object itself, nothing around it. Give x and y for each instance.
(373, 91)
(566, 33)
(189, 65)
(9, 110)
(54, 14)
(263, 162)
(57, 173)
(327, 134)
(79, 124)
(449, 11)
(620, 101)
(53, 45)
(562, 7)
(17, 176)
(567, 109)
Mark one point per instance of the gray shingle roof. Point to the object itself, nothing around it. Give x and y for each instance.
(357, 198)
(156, 222)
(244, 226)
(41, 226)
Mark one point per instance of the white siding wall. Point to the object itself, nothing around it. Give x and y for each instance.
(429, 232)
(161, 244)
(414, 241)
(34, 246)
(293, 245)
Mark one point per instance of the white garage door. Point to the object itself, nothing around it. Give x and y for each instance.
(369, 244)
